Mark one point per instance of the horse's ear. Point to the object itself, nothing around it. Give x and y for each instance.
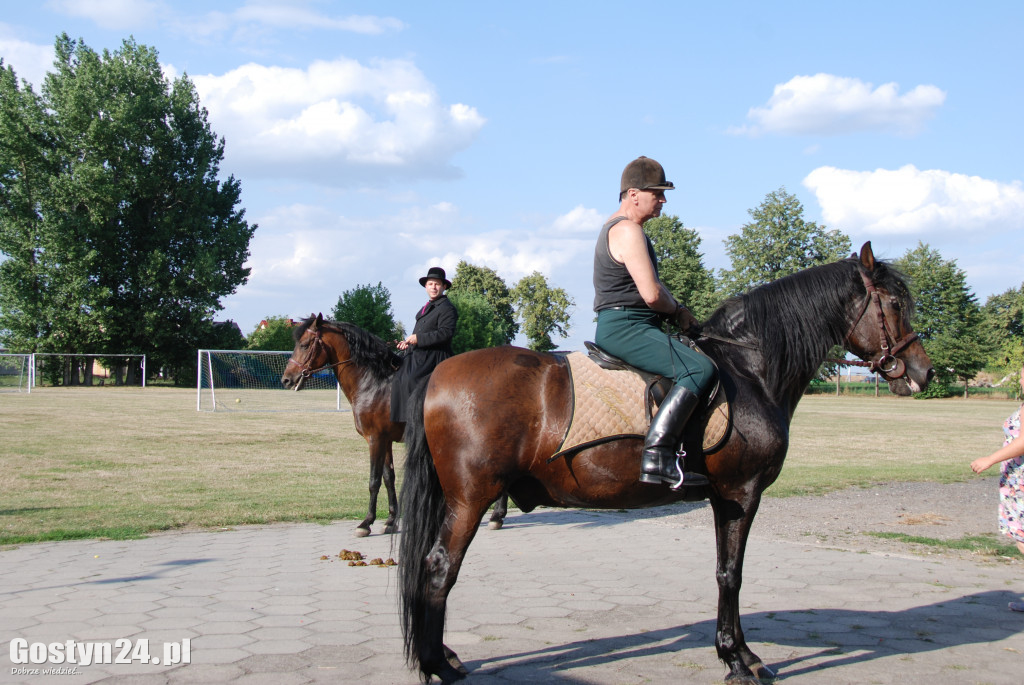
(319, 320)
(867, 257)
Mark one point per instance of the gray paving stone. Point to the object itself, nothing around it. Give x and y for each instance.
(575, 597)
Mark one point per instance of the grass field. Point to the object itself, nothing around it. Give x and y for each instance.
(121, 462)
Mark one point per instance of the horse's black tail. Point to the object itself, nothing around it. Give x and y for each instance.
(423, 510)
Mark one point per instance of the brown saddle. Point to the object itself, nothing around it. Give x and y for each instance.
(614, 401)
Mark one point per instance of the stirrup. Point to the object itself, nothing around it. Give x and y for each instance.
(680, 456)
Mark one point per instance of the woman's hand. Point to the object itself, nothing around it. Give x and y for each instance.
(981, 463)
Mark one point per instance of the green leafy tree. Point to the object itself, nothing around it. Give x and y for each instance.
(486, 282)
(478, 326)
(543, 310)
(778, 242)
(273, 333)
(681, 264)
(118, 222)
(39, 310)
(1004, 317)
(224, 335)
(369, 307)
(947, 316)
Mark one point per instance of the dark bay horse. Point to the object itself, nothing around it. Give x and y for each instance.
(488, 421)
(364, 366)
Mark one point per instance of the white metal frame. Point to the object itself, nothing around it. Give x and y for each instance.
(209, 366)
(30, 375)
(76, 354)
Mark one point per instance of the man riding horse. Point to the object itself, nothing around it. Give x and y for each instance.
(631, 302)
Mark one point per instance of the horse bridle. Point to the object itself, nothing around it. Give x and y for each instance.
(887, 364)
(318, 342)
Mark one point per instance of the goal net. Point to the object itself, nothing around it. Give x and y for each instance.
(250, 381)
(15, 373)
(52, 369)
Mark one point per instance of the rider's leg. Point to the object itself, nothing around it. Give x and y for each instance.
(659, 461)
(637, 338)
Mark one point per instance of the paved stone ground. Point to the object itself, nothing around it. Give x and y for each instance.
(557, 596)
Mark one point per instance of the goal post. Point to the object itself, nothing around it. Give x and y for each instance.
(250, 381)
(87, 369)
(15, 372)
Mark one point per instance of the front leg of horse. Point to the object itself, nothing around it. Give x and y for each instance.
(732, 522)
(377, 456)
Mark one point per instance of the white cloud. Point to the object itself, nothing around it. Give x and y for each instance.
(29, 61)
(338, 122)
(304, 257)
(825, 104)
(910, 201)
(252, 18)
(278, 15)
(112, 14)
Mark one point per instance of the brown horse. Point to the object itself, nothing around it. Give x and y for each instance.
(364, 366)
(489, 420)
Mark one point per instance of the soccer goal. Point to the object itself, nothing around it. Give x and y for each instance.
(15, 373)
(55, 369)
(250, 381)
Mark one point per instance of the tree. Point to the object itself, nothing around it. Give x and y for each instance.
(273, 333)
(1004, 318)
(486, 282)
(478, 326)
(947, 317)
(680, 264)
(29, 299)
(116, 217)
(224, 335)
(543, 310)
(369, 307)
(778, 242)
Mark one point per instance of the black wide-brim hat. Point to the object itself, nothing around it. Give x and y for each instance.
(438, 273)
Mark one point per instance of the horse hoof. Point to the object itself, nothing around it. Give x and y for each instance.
(390, 530)
(743, 680)
(362, 532)
(762, 671)
(495, 525)
(453, 659)
(448, 674)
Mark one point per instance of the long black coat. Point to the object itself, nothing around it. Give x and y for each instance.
(434, 330)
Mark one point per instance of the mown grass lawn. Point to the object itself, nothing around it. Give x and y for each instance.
(121, 462)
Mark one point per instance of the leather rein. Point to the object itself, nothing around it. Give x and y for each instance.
(887, 364)
(318, 342)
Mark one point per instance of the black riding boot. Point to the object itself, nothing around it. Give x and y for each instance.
(659, 461)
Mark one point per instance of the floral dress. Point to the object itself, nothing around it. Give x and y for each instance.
(1011, 485)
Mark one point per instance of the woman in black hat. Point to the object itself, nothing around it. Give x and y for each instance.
(429, 344)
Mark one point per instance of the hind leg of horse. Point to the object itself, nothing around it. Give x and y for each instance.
(390, 526)
(443, 564)
(499, 513)
(378, 455)
(732, 522)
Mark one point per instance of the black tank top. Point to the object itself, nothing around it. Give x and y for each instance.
(613, 286)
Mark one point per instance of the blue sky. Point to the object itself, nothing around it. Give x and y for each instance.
(374, 140)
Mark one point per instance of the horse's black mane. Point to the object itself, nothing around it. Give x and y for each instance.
(795, 320)
(367, 350)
